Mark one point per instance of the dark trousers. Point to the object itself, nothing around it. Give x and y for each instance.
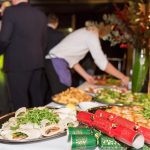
(53, 79)
(25, 88)
(5, 104)
(46, 89)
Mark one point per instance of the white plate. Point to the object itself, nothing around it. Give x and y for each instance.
(88, 105)
(55, 105)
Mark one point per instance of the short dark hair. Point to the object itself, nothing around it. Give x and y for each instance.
(52, 18)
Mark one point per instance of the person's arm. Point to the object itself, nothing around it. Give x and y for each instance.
(102, 62)
(113, 71)
(78, 68)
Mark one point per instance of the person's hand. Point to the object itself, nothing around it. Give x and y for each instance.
(125, 81)
(90, 79)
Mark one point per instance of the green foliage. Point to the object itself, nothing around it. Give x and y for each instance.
(130, 25)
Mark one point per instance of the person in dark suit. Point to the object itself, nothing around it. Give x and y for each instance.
(53, 38)
(23, 40)
(53, 35)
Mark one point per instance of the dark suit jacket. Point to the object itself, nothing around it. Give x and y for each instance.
(23, 38)
(53, 38)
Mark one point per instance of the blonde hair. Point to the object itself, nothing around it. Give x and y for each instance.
(101, 27)
(92, 26)
(89, 24)
(4, 5)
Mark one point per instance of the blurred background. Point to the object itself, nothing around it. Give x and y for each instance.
(73, 13)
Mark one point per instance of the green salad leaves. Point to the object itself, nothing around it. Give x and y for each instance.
(35, 116)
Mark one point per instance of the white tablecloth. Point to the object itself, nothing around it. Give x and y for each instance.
(52, 144)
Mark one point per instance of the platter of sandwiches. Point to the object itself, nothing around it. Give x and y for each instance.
(36, 124)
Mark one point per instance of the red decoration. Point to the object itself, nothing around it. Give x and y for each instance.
(123, 45)
(105, 115)
(125, 135)
(103, 125)
(117, 119)
(85, 118)
(121, 133)
(146, 133)
(125, 123)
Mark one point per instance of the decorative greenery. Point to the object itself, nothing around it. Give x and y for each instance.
(130, 25)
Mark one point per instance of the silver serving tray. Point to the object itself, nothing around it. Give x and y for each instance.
(7, 116)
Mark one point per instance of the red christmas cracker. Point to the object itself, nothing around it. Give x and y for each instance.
(128, 136)
(117, 119)
(105, 115)
(146, 133)
(103, 125)
(85, 118)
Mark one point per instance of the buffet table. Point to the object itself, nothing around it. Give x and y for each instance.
(58, 143)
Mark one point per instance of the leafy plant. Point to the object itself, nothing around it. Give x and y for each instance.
(130, 25)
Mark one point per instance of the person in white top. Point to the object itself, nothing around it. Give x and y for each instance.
(73, 48)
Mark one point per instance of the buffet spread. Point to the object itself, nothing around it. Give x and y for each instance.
(103, 116)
